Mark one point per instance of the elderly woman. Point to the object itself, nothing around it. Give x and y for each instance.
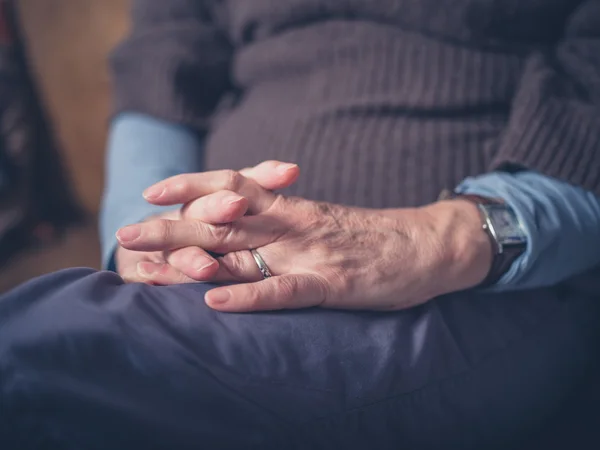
(381, 314)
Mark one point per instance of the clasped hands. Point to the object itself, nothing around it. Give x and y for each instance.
(320, 254)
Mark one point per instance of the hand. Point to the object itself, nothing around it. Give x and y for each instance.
(323, 254)
(191, 263)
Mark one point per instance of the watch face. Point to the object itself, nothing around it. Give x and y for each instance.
(506, 225)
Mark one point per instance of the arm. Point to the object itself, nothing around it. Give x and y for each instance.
(554, 123)
(141, 151)
(561, 221)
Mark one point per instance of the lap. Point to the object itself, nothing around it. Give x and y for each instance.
(85, 358)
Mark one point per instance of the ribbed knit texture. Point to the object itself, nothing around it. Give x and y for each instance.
(382, 103)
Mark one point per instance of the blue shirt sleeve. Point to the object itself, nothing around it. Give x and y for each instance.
(141, 151)
(561, 221)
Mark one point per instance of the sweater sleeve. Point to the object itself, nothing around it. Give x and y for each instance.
(554, 123)
(174, 65)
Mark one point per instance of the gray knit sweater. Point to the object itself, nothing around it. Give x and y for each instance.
(383, 103)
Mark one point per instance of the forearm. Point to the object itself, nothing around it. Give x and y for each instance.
(141, 151)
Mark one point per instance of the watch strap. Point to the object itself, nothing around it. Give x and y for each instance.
(503, 255)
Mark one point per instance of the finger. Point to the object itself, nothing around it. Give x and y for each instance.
(129, 263)
(131, 275)
(161, 235)
(193, 262)
(283, 292)
(220, 207)
(126, 265)
(238, 267)
(185, 188)
(241, 267)
(161, 273)
(273, 175)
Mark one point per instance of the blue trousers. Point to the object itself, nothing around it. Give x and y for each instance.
(87, 362)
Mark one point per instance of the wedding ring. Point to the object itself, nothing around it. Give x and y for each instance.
(262, 266)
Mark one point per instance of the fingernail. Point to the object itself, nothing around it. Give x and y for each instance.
(154, 192)
(283, 168)
(202, 262)
(218, 296)
(231, 199)
(146, 269)
(129, 234)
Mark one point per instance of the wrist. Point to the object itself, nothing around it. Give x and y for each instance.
(466, 250)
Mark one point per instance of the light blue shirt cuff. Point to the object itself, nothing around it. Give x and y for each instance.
(561, 221)
(141, 151)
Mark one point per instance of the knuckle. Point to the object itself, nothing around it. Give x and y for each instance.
(321, 208)
(287, 287)
(324, 286)
(324, 289)
(162, 229)
(236, 263)
(314, 214)
(232, 180)
(253, 298)
(328, 282)
(221, 232)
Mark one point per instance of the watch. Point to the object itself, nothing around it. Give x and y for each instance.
(506, 234)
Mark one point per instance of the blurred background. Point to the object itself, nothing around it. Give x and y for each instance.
(55, 98)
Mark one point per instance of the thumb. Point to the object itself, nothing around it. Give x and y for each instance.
(290, 291)
(273, 175)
